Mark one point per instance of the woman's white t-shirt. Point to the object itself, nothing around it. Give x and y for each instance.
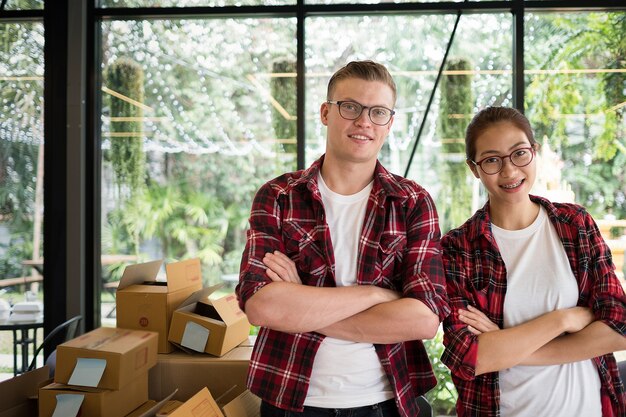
(540, 280)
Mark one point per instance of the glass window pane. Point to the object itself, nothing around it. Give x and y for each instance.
(21, 167)
(24, 5)
(194, 3)
(576, 102)
(478, 74)
(381, 1)
(197, 114)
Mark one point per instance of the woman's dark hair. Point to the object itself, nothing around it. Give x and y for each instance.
(490, 116)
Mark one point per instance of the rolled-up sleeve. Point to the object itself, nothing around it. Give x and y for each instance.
(607, 297)
(423, 264)
(461, 345)
(263, 236)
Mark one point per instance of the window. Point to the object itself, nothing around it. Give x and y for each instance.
(21, 160)
(194, 3)
(576, 102)
(477, 74)
(196, 115)
(24, 5)
(214, 115)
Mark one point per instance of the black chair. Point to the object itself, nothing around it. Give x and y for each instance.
(425, 408)
(62, 333)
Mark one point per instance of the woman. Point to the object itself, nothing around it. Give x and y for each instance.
(537, 307)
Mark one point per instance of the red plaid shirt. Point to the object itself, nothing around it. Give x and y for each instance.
(476, 275)
(400, 249)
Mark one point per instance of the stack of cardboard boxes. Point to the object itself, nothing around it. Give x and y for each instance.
(143, 303)
(179, 309)
(165, 329)
(191, 323)
(103, 373)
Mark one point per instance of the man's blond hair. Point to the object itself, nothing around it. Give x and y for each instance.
(364, 70)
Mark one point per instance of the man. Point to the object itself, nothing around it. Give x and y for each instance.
(342, 270)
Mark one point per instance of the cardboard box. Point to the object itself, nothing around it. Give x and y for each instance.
(201, 404)
(168, 408)
(249, 342)
(94, 402)
(192, 372)
(214, 326)
(143, 409)
(118, 355)
(152, 408)
(245, 405)
(143, 303)
(19, 394)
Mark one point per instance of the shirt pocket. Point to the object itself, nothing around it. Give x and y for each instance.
(485, 283)
(480, 283)
(391, 251)
(302, 246)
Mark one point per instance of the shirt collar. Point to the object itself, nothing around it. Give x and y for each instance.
(385, 183)
(481, 220)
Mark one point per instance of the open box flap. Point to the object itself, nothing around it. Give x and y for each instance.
(153, 409)
(245, 405)
(200, 404)
(140, 273)
(183, 274)
(17, 390)
(228, 309)
(73, 388)
(199, 295)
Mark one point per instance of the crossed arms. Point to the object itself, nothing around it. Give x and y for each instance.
(360, 313)
(541, 341)
(475, 345)
(272, 294)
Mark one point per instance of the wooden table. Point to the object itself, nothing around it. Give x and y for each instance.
(37, 264)
(109, 259)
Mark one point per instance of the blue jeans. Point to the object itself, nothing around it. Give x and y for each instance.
(384, 409)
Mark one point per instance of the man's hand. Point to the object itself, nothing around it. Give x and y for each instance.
(280, 268)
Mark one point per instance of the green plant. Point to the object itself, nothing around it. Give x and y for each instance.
(443, 397)
(284, 92)
(125, 78)
(185, 222)
(455, 197)
(598, 150)
(284, 107)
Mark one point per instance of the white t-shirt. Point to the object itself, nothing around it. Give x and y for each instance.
(346, 374)
(540, 280)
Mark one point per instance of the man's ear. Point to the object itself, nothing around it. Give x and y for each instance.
(324, 108)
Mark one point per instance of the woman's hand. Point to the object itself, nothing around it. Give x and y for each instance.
(280, 268)
(477, 322)
(574, 319)
(578, 318)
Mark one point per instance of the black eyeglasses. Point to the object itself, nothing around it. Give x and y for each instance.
(493, 164)
(351, 110)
